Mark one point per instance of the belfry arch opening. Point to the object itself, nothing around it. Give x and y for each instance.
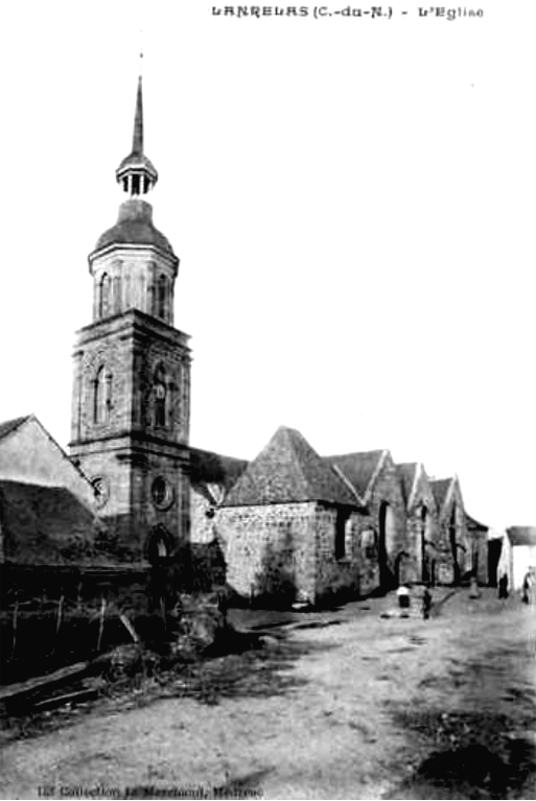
(102, 395)
(160, 397)
(103, 296)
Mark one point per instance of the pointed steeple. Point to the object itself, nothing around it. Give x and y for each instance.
(136, 174)
(137, 138)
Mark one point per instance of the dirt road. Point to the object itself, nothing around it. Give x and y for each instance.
(361, 707)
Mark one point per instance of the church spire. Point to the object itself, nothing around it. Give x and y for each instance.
(136, 174)
(137, 138)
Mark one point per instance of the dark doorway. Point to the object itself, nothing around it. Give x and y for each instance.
(422, 545)
(494, 554)
(385, 544)
(454, 547)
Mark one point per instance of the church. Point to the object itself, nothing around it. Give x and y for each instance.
(290, 522)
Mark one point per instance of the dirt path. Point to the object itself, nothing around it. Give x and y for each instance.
(344, 711)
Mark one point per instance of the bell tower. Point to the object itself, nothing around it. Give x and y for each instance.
(131, 386)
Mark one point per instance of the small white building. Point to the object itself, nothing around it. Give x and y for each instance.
(518, 554)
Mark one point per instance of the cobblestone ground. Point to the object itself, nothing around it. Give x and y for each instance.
(345, 705)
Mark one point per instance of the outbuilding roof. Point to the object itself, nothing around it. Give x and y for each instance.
(288, 470)
(45, 525)
(522, 535)
(214, 468)
(208, 469)
(11, 425)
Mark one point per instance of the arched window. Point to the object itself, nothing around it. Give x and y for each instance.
(369, 543)
(160, 396)
(102, 395)
(104, 295)
(161, 297)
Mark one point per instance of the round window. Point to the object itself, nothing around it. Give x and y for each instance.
(161, 493)
(101, 490)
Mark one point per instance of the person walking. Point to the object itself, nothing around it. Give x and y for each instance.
(503, 586)
(526, 589)
(426, 602)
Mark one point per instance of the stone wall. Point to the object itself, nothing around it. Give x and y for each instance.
(130, 507)
(297, 541)
(452, 514)
(337, 575)
(139, 441)
(203, 515)
(267, 546)
(130, 348)
(422, 529)
(387, 490)
(479, 555)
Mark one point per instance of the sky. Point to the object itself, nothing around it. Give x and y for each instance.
(352, 202)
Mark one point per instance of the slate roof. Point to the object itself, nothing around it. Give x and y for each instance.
(134, 227)
(407, 472)
(522, 535)
(207, 467)
(357, 467)
(440, 487)
(10, 425)
(45, 525)
(288, 470)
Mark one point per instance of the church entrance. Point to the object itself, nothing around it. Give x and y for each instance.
(159, 545)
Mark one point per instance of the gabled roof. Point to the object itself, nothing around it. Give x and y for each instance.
(288, 470)
(522, 535)
(208, 468)
(359, 468)
(45, 525)
(440, 488)
(11, 425)
(408, 475)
